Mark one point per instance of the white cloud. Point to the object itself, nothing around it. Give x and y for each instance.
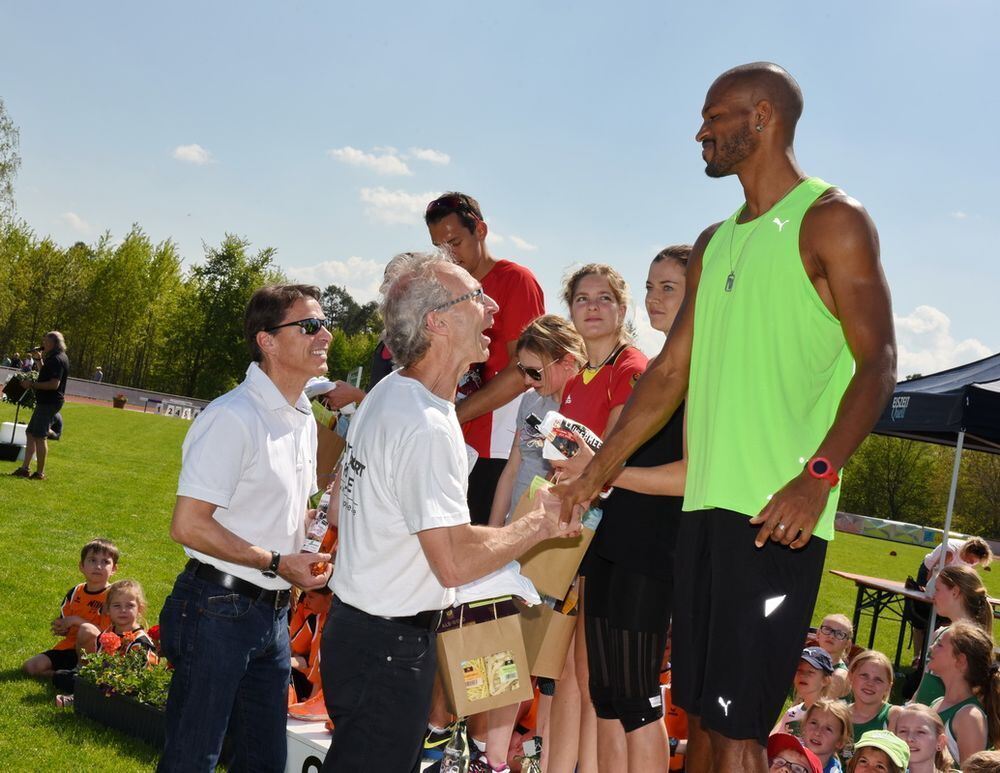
(521, 244)
(493, 238)
(959, 214)
(926, 344)
(431, 155)
(387, 163)
(192, 154)
(395, 207)
(76, 222)
(360, 276)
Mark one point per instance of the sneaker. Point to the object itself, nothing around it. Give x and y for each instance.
(480, 765)
(21, 472)
(37, 476)
(435, 742)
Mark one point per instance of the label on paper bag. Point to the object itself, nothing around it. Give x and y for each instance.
(474, 674)
(492, 675)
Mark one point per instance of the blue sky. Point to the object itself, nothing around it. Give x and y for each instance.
(322, 129)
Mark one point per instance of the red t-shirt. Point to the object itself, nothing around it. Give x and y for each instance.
(520, 298)
(591, 394)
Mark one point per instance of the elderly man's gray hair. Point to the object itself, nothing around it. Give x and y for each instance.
(412, 288)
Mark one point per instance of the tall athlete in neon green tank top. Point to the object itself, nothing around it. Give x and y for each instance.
(785, 350)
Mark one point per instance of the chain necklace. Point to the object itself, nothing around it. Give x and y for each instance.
(731, 279)
(614, 351)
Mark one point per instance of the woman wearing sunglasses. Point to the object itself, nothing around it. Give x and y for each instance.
(632, 559)
(549, 353)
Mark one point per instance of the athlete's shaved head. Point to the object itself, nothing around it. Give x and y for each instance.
(770, 82)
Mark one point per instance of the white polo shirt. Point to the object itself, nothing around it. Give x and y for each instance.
(405, 470)
(253, 455)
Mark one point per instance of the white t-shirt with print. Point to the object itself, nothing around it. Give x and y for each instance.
(405, 470)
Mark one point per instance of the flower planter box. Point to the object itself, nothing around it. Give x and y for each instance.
(139, 720)
(121, 712)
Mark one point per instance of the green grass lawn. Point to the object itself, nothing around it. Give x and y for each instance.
(114, 474)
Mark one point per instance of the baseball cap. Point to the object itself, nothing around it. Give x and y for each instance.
(780, 742)
(817, 657)
(897, 749)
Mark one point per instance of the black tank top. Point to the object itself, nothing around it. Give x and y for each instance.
(641, 529)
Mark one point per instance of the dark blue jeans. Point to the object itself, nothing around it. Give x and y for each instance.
(377, 680)
(231, 669)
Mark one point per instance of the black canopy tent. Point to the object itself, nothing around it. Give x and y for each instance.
(959, 407)
(939, 408)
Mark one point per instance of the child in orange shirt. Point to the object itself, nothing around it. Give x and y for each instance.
(82, 604)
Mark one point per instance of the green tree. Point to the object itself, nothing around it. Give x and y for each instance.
(10, 162)
(977, 503)
(347, 314)
(895, 479)
(205, 343)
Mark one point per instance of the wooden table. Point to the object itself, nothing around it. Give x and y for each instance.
(878, 596)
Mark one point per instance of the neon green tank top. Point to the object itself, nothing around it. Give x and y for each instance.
(769, 364)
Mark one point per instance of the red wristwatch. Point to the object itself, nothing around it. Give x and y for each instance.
(820, 467)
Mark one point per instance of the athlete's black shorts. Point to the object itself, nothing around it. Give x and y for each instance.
(626, 623)
(62, 659)
(740, 620)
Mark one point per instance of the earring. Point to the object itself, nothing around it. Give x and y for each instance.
(760, 127)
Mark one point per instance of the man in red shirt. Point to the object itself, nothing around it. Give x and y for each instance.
(489, 392)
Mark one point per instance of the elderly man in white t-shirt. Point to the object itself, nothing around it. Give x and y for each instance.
(405, 537)
(249, 466)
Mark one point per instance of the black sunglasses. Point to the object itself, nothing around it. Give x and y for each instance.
(452, 203)
(310, 326)
(535, 374)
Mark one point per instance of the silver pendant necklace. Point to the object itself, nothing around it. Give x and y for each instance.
(731, 278)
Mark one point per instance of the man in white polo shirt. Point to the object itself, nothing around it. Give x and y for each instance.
(249, 466)
(405, 537)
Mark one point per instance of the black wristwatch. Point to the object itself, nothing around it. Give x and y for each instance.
(272, 569)
(674, 743)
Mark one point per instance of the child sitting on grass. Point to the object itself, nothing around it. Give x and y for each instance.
(812, 678)
(870, 676)
(125, 608)
(83, 604)
(827, 730)
(836, 635)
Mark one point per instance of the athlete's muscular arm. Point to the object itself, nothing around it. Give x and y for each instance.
(656, 396)
(498, 391)
(839, 245)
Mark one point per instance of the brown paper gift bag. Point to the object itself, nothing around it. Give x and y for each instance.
(551, 565)
(547, 636)
(484, 665)
(330, 446)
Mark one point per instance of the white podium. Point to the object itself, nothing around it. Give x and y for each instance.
(307, 746)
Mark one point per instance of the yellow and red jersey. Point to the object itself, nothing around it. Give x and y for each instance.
(80, 602)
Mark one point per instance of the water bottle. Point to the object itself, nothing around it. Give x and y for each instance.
(456, 753)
